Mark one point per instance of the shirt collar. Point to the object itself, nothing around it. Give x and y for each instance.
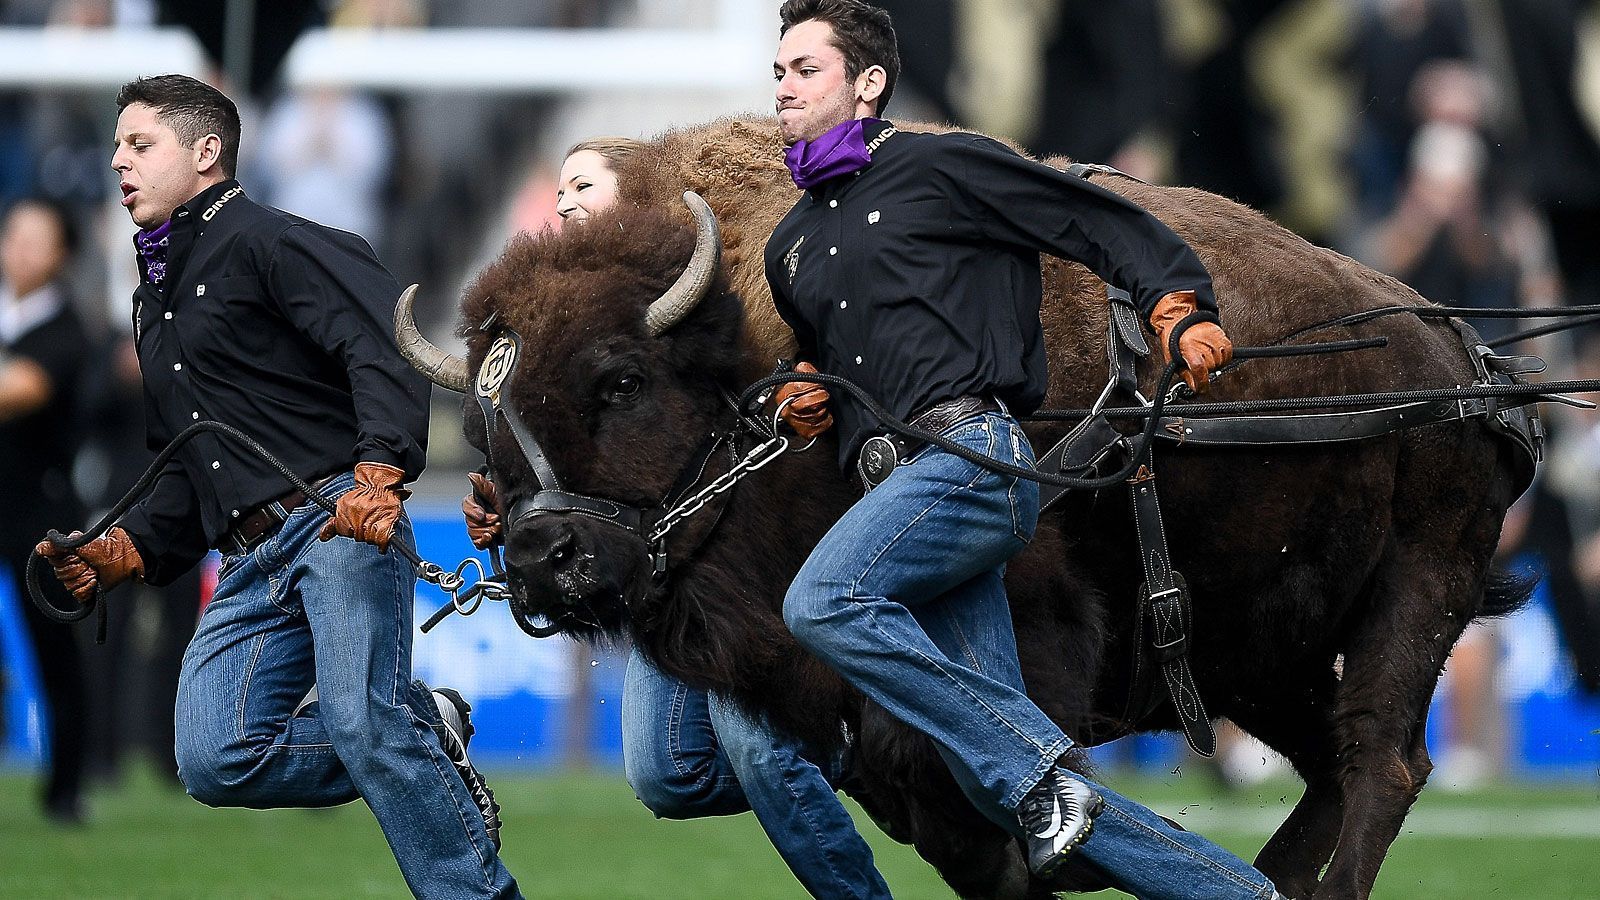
(875, 133)
(20, 315)
(210, 201)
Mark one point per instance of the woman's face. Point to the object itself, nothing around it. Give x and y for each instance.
(586, 186)
(33, 250)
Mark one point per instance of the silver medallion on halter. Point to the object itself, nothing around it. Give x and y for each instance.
(497, 364)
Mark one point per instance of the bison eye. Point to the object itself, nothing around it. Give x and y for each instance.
(626, 388)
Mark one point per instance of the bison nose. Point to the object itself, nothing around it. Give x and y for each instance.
(543, 548)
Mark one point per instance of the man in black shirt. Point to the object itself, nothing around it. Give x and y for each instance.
(911, 266)
(279, 327)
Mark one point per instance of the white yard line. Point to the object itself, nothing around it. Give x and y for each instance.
(1455, 821)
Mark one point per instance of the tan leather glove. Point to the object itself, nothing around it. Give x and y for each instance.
(368, 512)
(1204, 346)
(108, 561)
(808, 412)
(481, 510)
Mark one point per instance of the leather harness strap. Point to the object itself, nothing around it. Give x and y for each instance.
(1165, 616)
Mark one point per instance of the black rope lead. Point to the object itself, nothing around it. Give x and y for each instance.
(1140, 443)
(1337, 401)
(81, 611)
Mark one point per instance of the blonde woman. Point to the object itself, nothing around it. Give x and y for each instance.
(690, 753)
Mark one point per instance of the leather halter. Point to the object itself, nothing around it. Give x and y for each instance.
(496, 376)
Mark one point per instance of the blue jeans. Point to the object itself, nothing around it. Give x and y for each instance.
(296, 611)
(689, 754)
(905, 598)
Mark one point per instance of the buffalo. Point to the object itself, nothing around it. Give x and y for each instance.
(1329, 580)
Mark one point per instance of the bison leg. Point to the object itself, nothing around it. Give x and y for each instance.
(1300, 726)
(900, 779)
(1391, 668)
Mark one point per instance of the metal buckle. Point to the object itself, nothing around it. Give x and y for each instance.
(879, 458)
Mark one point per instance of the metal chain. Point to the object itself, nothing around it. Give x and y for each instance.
(463, 599)
(759, 456)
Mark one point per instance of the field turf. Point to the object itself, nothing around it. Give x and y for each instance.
(572, 836)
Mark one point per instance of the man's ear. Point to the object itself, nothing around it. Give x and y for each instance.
(208, 154)
(870, 84)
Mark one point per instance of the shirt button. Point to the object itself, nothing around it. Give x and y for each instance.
(843, 303)
(234, 514)
(832, 203)
(216, 464)
(858, 360)
(166, 315)
(177, 367)
(195, 414)
(833, 251)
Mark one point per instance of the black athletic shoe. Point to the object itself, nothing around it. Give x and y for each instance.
(454, 736)
(1057, 816)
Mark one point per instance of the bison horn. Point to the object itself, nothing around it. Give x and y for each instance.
(442, 368)
(670, 308)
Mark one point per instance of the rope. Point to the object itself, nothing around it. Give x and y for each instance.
(82, 610)
(1338, 401)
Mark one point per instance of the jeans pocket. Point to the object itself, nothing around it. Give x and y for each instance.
(1023, 495)
(229, 565)
(984, 445)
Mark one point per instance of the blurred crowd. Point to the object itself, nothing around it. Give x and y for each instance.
(1452, 143)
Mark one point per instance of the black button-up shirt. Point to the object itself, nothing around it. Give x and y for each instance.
(918, 278)
(281, 328)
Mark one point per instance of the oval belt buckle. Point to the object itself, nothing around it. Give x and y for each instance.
(879, 457)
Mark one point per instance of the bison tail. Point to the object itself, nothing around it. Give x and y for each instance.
(1507, 591)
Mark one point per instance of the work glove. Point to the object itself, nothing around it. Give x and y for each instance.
(1203, 345)
(369, 511)
(108, 561)
(480, 508)
(807, 412)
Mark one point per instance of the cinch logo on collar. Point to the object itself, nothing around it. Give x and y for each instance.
(212, 209)
(889, 132)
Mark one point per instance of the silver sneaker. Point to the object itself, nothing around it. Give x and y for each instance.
(454, 735)
(1057, 816)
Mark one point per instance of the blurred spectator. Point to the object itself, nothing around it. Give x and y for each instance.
(43, 346)
(1574, 475)
(1394, 41)
(1559, 154)
(1442, 239)
(325, 154)
(1106, 79)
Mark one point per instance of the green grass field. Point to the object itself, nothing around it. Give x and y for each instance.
(572, 836)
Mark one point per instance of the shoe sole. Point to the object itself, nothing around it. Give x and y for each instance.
(456, 752)
(1054, 864)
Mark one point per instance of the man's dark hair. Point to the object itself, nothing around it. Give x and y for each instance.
(191, 108)
(861, 31)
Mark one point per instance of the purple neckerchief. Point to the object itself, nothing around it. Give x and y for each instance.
(840, 150)
(152, 246)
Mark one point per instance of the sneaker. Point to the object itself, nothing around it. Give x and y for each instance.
(454, 735)
(1057, 816)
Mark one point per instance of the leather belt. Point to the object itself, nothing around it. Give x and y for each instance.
(262, 522)
(881, 454)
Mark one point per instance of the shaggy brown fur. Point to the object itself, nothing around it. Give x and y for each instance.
(1377, 550)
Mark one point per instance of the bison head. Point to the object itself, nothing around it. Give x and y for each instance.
(627, 334)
